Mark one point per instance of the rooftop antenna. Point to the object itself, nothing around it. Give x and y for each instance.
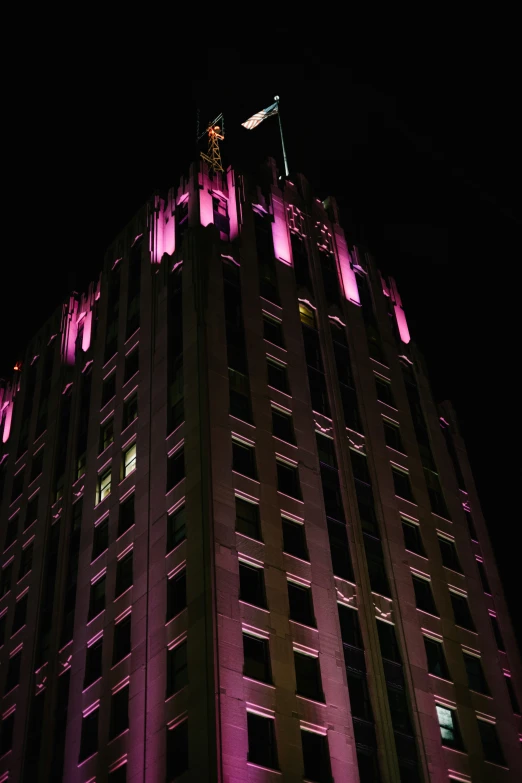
(216, 133)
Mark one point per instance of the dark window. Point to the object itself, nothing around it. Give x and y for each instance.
(312, 349)
(108, 389)
(177, 671)
(461, 611)
(106, 435)
(360, 703)
(252, 585)
(490, 743)
(89, 741)
(392, 435)
(97, 598)
(333, 502)
(132, 364)
(37, 465)
(247, 519)
(300, 258)
(366, 508)
(176, 528)
(437, 502)
(3, 620)
(301, 606)
(277, 376)
(350, 627)
(316, 757)
(288, 479)
(318, 392)
(273, 331)
(512, 695)
(126, 515)
(471, 525)
(130, 410)
(483, 576)
(340, 550)
(177, 750)
(498, 636)
(423, 595)
(13, 672)
(122, 639)
(448, 552)
(119, 712)
(401, 483)
(388, 642)
(176, 594)
(256, 653)
(262, 747)
(239, 395)
(294, 539)
(384, 391)
(100, 540)
(6, 733)
(330, 277)
(18, 485)
(175, 468)
(368, 766)
(476, 680)
(20, 614)
(11, 531)
(81, 465)
(32, 511)
(124, 574)
(308, 676)
(93, 662)
(119, 775)
(26, 561)
(282, 426)
(413, 538)
(326, 450)
(176, 391)
(5, 581)
(376, 567)
(436, 659)
(244, 459)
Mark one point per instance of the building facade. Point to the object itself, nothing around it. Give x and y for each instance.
(240, 541)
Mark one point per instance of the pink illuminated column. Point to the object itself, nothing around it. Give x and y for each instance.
(399, 312)
(280, 231)
(349, 279)
(232, 204)
(69, 330)
(206, 211)
(8, 413)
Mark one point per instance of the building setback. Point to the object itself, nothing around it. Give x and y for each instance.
(240, 541)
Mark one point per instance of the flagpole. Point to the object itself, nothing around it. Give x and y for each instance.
(276, 98)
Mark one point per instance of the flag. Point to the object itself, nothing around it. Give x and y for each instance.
(256, 119)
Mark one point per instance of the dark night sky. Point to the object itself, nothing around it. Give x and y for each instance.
(417, 137)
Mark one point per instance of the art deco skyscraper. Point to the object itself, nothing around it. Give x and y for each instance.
(240, 541)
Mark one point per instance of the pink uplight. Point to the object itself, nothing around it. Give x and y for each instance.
(7, 422)
(232, 204)
(280, 231)
(351, 291)
(399, 312)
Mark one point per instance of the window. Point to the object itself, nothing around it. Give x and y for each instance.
(437, 502)
(129, 460)
(126, 515)
(423, 595)
(384, 391)
(18, 485)
(288, 479)
(177, 750)
(282, 425)
(273, 330)
(368, 765)
(496, 631)
(13, 672)
(100, 540)
(294, 539)
(490, 743)
(448, 552)
(392, 435)
(132, 364)
(512, 695)
(483, 576)
(177, 672)
(119, 721)
(350, 628)
(247, 519)
(412, 537)
(176, 528)
(130, 410)
(252, 585)
(401, 483)
(476, 680)
(256, 658)
(26, 561)
(388, 642)
(360, 703)
(6, 733)
(376, 566)
(124, 574)
(104, 485)
(308, 676)
(122, 639)
(5, 579)
(175, 468)
(3, 620)
(119, 775)
(176, 594)
(436, 659)
(307, 315)
(108, 389)
(93, 662)
(449, 727)
(243, 459)
(471, 525)
(239, 395)
(277, 375)
(339, 549)
(11, 532)
(97, 598)
(31, 513)
(81, 465)
(262, 747)
(106, 435)
(316, 757)
(461, 611)
(301, 605)
(326, 450)
(37, 465)
(20, 613)
(89, 740)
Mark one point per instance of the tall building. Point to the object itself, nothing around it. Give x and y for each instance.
(240, 541)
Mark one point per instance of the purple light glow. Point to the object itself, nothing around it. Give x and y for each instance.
(280, 231)
(399, 312)
(232, 205)
(351, 291)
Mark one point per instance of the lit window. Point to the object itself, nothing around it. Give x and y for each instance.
(106, 435)
(104, 485)
(306, 314)
(81, 465)
(262, 747)
(449, 727)
(129, 460)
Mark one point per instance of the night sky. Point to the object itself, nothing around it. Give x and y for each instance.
(416, 136)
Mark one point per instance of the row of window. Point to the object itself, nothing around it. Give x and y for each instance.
(452, 738)
(128, 465)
